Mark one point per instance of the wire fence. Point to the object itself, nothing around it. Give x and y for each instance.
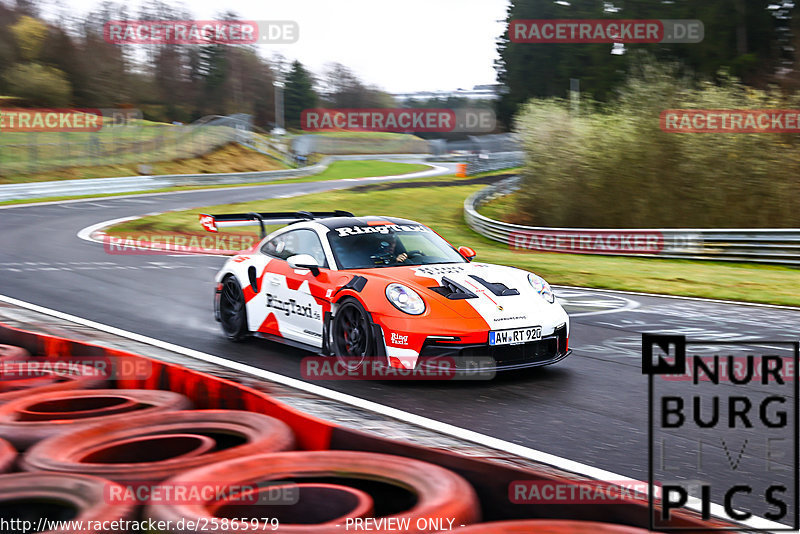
(479, 163)
(133, 142)
(507, 142)
(140, 142)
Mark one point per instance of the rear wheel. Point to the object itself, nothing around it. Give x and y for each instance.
(351, 334)
(232, 310)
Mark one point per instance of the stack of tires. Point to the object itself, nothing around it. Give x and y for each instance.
(71, 449)
(19, 377)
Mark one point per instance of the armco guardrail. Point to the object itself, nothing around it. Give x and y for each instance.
(100, 186)
(778, 246)
(132, 141)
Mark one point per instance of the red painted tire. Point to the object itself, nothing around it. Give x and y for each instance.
(33, 377)
(549, 526)
(127, 456)
(10, 353)
(183, 446)
(31, 496)
(7, 456)
(402, 488)
(314, 503)
(30, 419)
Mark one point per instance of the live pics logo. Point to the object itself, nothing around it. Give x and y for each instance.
(722, 433)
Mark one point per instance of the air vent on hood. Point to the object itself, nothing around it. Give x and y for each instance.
(453, 291)
(501, 290)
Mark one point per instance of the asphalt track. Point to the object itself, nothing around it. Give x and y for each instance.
(590, 408)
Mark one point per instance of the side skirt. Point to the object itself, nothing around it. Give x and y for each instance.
(286, 341)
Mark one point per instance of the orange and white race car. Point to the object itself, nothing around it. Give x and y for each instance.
(358, 287)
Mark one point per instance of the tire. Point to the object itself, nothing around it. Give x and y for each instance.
(549, 526)
(351, 334)
(30, 419)
(150, 448)
(7, 456)
(307, 503)
(400, 487)
(31, 496)
(47, 379)
(233, 310)
(10, 353)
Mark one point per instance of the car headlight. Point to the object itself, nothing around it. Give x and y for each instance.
(405, 299)
(542, 287)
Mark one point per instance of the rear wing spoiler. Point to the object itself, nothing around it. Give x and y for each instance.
(213, 223)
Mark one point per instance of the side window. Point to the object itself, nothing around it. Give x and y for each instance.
(275, 247)
(294, 242)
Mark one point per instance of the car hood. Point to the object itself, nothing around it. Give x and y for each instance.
(486, 282)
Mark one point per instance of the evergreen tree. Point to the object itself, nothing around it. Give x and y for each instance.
(298, 94)
(743, 36)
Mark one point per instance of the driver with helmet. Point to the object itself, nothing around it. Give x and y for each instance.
(389, 245)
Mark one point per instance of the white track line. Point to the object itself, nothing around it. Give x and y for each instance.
(629, 305)
(436, 168)
(679, 297)
(86, 235)
(407, 417)
(124, 196)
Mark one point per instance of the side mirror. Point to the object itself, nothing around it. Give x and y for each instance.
(467, 253)
(304, 261)
(251, 275)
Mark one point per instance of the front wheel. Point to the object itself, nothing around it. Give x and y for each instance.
(351, 334)
(232, 310)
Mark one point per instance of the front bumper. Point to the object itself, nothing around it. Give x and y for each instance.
(484, 357)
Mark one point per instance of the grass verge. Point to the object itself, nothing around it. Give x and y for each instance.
(441, 208)
(501, 209)
(229, 158)
(336, 171)
(358, 169)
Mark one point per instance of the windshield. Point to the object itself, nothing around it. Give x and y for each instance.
(362, 247)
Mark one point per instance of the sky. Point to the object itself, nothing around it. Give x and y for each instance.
(408, 45)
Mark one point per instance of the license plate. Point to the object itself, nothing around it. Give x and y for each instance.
(515, 336)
